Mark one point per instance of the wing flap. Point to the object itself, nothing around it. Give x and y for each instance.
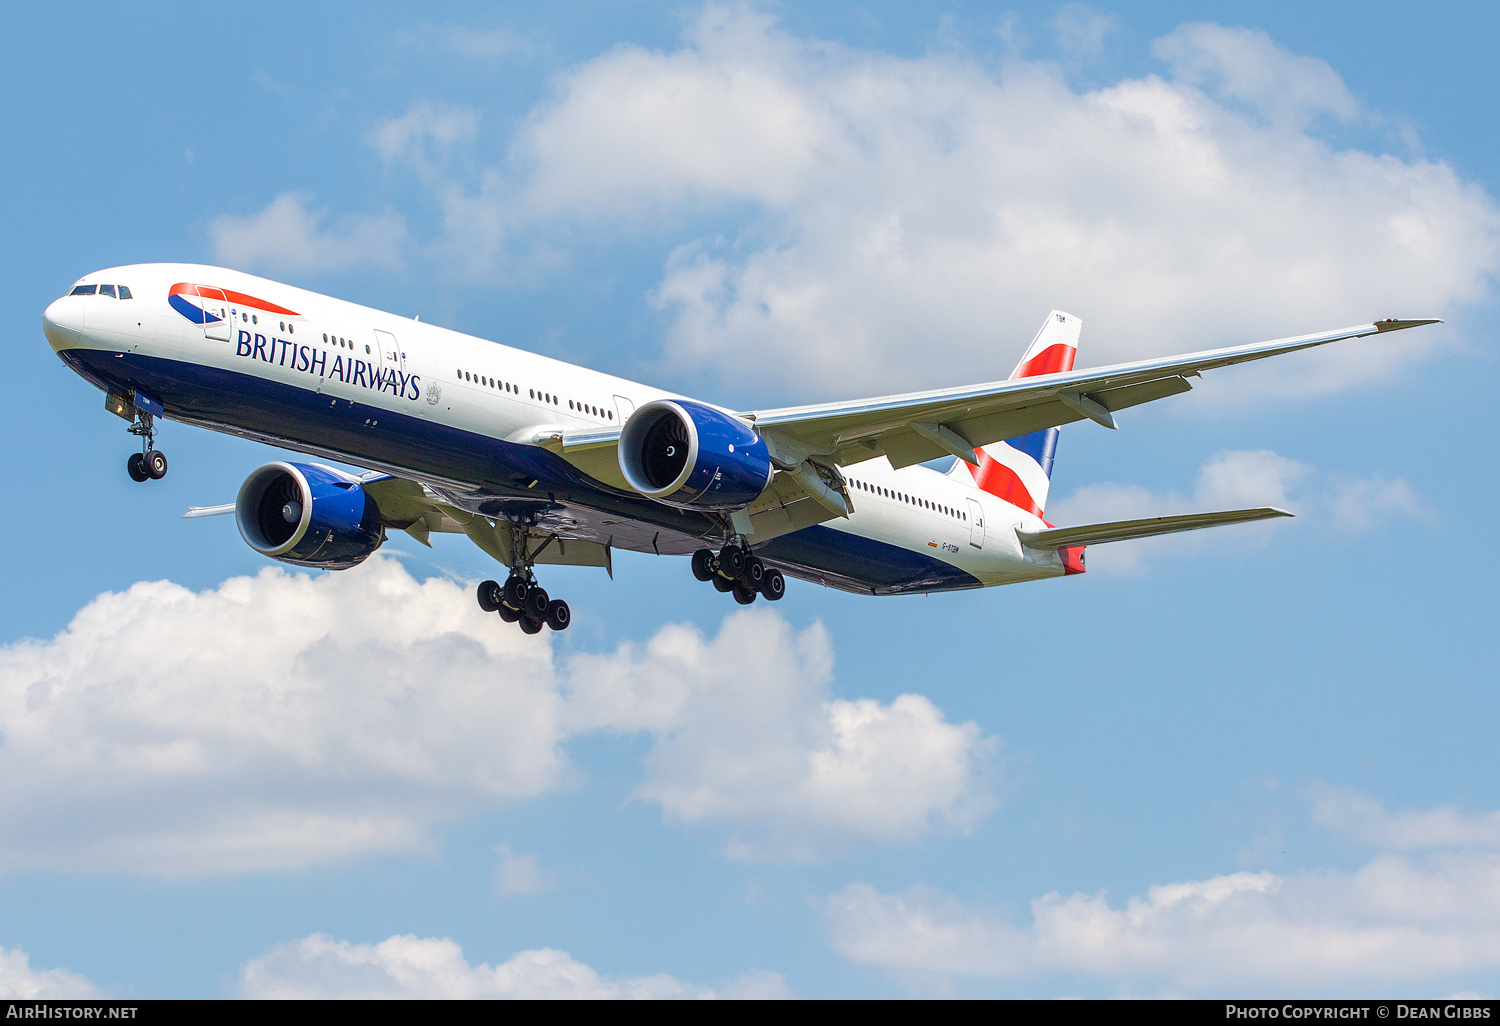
(1123, 530)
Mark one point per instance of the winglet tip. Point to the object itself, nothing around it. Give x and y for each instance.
(1396, 324)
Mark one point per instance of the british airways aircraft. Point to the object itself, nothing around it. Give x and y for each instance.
(543, 462)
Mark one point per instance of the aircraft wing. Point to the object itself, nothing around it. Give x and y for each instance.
(921, 426)
(420, 512)
(1122, 530)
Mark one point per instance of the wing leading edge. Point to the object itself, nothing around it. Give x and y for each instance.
(920, 426)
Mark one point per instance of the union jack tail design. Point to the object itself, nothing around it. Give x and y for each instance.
(1019, 470)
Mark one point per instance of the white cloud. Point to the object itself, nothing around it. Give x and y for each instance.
(520, 874)
(1236, 480)
(466, 41)
(885, 223)
(287, 236)
(18, 980)
(1081, 30)
(424, 125)
(747, 734)
(1396, 920)
(1366, 820)
(277, 720)
(285, 719)
(319, 967)
(1246, 65)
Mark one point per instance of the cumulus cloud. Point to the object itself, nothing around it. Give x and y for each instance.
(288, 236)
(273, 721)
(18, 980)
(287, 719)
(747, 734)
(887, 223)
(1397, 919)
(319, 967)
(1235, 480)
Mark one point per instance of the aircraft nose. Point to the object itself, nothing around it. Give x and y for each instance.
(62, 323)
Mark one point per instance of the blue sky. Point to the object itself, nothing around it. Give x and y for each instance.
(1258, 762)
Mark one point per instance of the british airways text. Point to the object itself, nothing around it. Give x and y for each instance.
(315, 361)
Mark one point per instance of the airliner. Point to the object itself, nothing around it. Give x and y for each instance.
(541, 462)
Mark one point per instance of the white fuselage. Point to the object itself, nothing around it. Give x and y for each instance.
(462, 415)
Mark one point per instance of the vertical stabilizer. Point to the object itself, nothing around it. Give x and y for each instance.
(1019, 470)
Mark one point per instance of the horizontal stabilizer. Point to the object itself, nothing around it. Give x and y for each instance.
(1121, 530)
(194, 512)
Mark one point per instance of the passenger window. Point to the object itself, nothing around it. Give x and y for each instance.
(84, 290)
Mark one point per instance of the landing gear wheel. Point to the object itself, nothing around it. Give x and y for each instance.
(489, 596)
(743, 595)
(508, 614)
(137, 467)
(732, 561)
(723, 583)
(155, 464)
(536, 604)
(703, 565)
(558, 615)
(755, 573)
(773, 586)
(516, 590)
(530, 626)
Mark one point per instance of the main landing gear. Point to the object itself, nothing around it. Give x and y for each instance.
(150, 464)
(733, 569)
(521, 600)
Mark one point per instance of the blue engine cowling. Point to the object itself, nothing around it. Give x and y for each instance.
(690, 455)
(309, 515)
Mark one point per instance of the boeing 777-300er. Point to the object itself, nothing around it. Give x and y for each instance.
(542, 462)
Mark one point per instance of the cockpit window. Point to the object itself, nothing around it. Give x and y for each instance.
(84, 290)
(107, 290)
(125, 292)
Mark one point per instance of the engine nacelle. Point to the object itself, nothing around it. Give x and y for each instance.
(309, 515)
(690, 455)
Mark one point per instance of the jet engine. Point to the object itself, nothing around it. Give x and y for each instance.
(309, 515)
(690, 455)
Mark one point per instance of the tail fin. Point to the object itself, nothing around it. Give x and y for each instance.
(1019, 470)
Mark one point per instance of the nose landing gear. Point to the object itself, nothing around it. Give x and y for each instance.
(150, 464)
(734, 570)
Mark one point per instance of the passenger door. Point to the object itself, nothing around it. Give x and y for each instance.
(976, 524)
(217, 323)
(623, 409)
(390, 351)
